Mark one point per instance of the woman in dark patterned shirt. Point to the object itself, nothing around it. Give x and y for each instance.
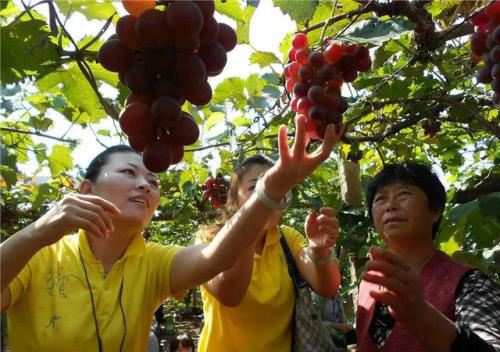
(414, 297)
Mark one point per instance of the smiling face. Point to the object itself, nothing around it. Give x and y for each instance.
(125, 181)
(401, 214)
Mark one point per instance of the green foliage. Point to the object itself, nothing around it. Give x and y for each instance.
(299, 11)
(88, 8)
(41, 78)
(376, 32)
(470, 232)
(264, 58)
(76, 90)
(243, 26)
(27, 49)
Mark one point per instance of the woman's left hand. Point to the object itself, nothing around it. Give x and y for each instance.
(322, 228)
(400, 286)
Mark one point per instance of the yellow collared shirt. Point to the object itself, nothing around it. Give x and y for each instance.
(262, 321)
(51, 308)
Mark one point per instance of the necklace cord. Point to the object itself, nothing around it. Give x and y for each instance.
(99, 341)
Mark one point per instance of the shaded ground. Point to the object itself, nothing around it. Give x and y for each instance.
(185, 323)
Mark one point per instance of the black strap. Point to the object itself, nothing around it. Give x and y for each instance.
(297, 279)
(293, 270)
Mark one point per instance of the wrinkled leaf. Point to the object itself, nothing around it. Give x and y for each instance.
(60, 160)
(299, 11)
(76, 89)
(264, 58)
(213, 120)
(89, 8)
(231, 9)
(243, 27)
(26, 50)
(376, 32)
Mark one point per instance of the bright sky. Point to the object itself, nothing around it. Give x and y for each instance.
(238, 64)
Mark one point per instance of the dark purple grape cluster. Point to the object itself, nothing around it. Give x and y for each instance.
(485, 45)
(215, 190)
(165, 56)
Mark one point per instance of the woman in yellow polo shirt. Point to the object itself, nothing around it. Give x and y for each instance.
(249, 307)
(82, 278)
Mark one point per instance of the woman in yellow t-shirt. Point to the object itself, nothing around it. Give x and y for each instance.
(249, 307)
(82, 278)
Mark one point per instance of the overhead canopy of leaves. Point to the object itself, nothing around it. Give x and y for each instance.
(409, 83)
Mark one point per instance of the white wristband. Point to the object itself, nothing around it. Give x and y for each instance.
(268, 202)
(321, 261)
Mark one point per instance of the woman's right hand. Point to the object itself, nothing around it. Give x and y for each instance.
(294, 164)
(76, 211)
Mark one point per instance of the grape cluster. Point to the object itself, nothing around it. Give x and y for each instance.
(485, 45)
(164, 56)
(431, 127)
(315, 78)
(354, 156)
(215, 190)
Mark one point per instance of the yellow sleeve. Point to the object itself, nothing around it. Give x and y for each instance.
(21, 282)
(160, 260)
(294, 239)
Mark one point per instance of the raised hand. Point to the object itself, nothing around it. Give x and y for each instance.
(322, 228)
(73, 212)
(294, 164)
(400, 286)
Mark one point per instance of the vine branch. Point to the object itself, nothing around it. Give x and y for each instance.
(39, 134)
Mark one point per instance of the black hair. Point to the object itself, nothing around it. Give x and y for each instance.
(257, 159)
(95, 166)
(416, 174)
(184, 340)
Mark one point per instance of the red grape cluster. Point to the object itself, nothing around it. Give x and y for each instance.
(485, 44)
(164, 56)
(431, 127)
(315, 78)
(215, 190)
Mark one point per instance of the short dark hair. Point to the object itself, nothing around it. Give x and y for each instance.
(416, 174)
(184, 340)
(95, 166)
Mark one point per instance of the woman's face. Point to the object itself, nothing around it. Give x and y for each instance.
(181, 348)
(247, 186)
(125, 181)
(401, 214)
(248, 181)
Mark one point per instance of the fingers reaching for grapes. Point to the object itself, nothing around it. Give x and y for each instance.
(294, 164)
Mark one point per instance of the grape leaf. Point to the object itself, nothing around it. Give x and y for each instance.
(231, 9)
(376, 32)
(264, 58)
(26, 50)
(60, 160)
(88, 8)
(77, 90)
(299, 11)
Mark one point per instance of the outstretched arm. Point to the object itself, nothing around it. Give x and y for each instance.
(193, 266)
